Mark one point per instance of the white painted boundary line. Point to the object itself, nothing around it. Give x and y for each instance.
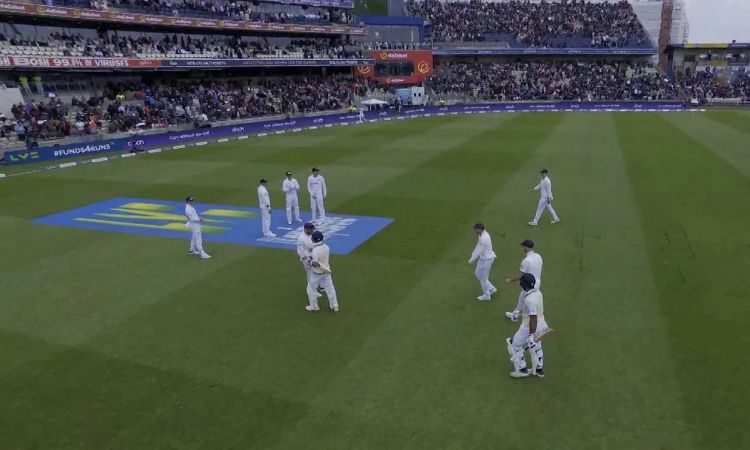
(70, 164)
(98, 160)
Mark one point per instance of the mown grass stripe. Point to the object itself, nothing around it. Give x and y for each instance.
(697, 245)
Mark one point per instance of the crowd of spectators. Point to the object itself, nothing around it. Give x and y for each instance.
(139, 106)
(233, 10)
(378, 45)
(36, 120)
(201, 102)
(575, 81)
(133, 46)
(537, 24)
(705, 85)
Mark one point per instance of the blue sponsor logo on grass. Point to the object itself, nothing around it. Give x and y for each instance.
(222, 223)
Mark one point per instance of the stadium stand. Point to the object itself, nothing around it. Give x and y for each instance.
(708, 85)
(534, 80)
(170, 93)
(48, 41)
(530, 24)
(142, 105)
(218, 9)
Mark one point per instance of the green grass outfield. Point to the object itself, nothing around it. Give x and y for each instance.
(117, 341)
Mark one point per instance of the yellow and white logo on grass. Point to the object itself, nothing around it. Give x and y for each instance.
(160, 216)
(221, 223)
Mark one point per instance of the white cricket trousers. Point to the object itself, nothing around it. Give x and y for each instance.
(316, 206)
(307, 270)
(326, 282)
(543, 203)
(265, 215)
(483, 275)
(519, 345)
(196, 241)
(292, 203)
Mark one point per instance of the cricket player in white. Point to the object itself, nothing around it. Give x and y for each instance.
(545, 199)
(533, 326)
(532, 263)
(304, 247)
(290, 187)
(264, 203)
(484, 256)
(320, 275)
(194, 223)
(316, 186)
(361, 116)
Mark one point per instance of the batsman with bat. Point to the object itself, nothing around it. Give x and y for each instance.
(529, 334)
(320, 275)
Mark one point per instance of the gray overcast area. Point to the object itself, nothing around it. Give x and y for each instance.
(714, 21)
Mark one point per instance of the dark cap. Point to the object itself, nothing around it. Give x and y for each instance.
(189, 199)
(544, 171)
(315, 169)
(309, 226)
(479, 226)
(317, 237)
(288, 173)
(528, 243)
(263, 181)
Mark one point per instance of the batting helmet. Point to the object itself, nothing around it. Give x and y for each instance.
(527, 282)
(317, 237)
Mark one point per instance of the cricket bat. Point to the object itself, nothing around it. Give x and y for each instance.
(543, 333)
(325, 268)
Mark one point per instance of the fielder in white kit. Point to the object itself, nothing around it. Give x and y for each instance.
(545, 199)
(316, 186)
(264, 203)
(320, 275)
(194, 223)
(290, 187)
(484, 256)
(528, 336)
(532, 263)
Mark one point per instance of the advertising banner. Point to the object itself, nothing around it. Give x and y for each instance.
(398, 66)
(73, 63)
(228, 131)
(70, 62)
(17, 8)
(266, 62)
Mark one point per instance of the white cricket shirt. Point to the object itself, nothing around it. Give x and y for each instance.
(290, 187)
(545, 188)
(483, 250)
(533, 305)
(304, 245)
(191, 215)
(316, 185)
(532, 264)
(264, 200)
(320, 253)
